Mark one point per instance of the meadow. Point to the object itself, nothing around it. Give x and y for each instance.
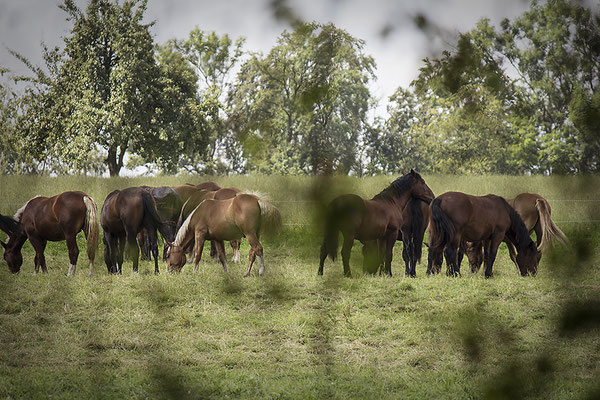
(294, 335)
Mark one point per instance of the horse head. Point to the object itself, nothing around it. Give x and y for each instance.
(176, 257)
(527, 259)
(419, 188)
(12, 256)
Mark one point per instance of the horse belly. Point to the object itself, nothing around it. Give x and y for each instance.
(224, 232)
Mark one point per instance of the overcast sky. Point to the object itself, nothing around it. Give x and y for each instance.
(24, 24)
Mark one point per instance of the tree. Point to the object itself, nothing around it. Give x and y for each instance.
(213, 58)
(302, 108)
(543, 67)
(105, 91)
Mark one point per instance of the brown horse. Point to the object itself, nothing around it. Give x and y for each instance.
(537, 216)
(220, 194)
(415, 218)
(124, 214)
(54, 219)
(458, 216)
(379, 219)
(243, 215)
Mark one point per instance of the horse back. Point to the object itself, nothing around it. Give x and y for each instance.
(49, 218)
(476, 217)
(524, 205)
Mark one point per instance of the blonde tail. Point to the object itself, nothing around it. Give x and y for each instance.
(91, 228)
(549, 228)
(270, 218)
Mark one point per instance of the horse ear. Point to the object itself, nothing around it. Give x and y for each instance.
(412, 171)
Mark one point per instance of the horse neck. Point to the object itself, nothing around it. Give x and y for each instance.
(17, 241)
(402, 199)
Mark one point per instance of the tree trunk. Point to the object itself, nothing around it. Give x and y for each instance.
(114, 160)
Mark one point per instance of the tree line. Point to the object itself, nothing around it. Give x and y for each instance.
(516, 98)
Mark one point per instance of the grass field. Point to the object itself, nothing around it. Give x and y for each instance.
(292, 334)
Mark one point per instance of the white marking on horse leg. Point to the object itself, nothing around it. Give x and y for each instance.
(225, 266)
(261, 265)
(72, 268)
(91, 268)
(236, 256)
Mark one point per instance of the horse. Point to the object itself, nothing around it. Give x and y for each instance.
(54, 219)
(168, 205)
(458, 216)
(124, 214)
(243, 215)
(379, 219)
(536, 213)
(220, 194)
(415, 217)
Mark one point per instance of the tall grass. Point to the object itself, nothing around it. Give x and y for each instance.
(292, 334)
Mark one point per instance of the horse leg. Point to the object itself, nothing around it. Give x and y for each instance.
(451, 253)
(346, 249)
(490, 250)
(153, 245)
(512, 252)
(120, 242)
(198, 247)
(39, 260)
(256, 251)
(390, 240)
(538, 240)
(133, 251)
(213, 249)
(322, 258)
(407, 253)
(73, 254)
(235, 245)
(220, 245)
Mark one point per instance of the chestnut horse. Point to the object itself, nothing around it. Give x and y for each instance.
(537, 216)
(220, 194)
(124, 214)
(379, 219)
(458, 216)
(219, 220)
(54, 219)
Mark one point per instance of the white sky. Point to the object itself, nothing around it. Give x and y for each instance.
(24, 24)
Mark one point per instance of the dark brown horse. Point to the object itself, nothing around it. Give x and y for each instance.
(379, 219)
(168, 204)
(458, 216)
(124, 214)
(537, 216)
(415, 218)
(54, 219)
(194, 200)
(219, 220)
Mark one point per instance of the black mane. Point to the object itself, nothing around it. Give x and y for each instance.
(395, 189)
(518, 228)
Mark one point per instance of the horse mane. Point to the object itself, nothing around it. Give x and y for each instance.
(517, 226)
(395, 189)
(184, 228)
(19, 214)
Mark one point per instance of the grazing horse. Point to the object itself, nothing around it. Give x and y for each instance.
(54, 219)
(197, 198)
(243, 215)
(537, 216)
(168, 204)
(415, 217)
(379, 219)
(458, 216)
(124, 214)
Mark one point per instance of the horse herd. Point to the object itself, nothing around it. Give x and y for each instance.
(188, 215)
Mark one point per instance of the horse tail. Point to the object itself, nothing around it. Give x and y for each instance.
(549, 228)
(91, 227)
(270, 218)
(331, 237)
(151, 217)
(443, 229)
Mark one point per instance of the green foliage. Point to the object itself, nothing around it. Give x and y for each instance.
(302, 107)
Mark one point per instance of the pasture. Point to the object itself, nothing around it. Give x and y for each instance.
(292, 334)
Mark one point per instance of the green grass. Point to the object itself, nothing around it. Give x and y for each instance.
(292, 334)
